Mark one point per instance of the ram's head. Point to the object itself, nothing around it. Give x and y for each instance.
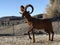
(24, 9)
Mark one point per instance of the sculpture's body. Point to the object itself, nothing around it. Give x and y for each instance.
(45, 24)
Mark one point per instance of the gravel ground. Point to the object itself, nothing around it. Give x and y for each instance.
(24, 40)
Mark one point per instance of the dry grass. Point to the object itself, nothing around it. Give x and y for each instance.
(24, 40)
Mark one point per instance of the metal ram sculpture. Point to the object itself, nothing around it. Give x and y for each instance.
(45, 24)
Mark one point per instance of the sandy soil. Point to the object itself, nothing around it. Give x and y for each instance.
(24, 40)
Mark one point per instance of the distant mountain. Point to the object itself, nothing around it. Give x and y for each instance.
(10, 18)
(39, 16)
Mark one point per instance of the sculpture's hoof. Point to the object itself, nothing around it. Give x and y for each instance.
(33, 41)
(51, 40)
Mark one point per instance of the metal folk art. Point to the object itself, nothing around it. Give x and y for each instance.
(45, 24)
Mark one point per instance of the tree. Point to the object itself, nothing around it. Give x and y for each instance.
(51, 1)
(52, 10)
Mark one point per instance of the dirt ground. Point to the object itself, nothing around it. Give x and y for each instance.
(24, 40)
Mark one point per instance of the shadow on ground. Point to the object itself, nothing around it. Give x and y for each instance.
(6, 35)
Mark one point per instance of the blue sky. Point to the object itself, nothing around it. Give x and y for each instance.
(12, 7)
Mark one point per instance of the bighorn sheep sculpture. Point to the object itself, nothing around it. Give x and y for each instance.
(45, 24)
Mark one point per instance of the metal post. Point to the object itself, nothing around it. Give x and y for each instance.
(13, 29)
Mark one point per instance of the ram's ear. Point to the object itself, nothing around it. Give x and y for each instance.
(29, 5)
(22, 8)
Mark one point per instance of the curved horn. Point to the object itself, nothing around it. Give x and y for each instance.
(29, 5)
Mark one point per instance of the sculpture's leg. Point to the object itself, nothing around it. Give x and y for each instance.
(33, 36)
(49, 36)
(46, 30)
(29, 33)
(52, 35)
